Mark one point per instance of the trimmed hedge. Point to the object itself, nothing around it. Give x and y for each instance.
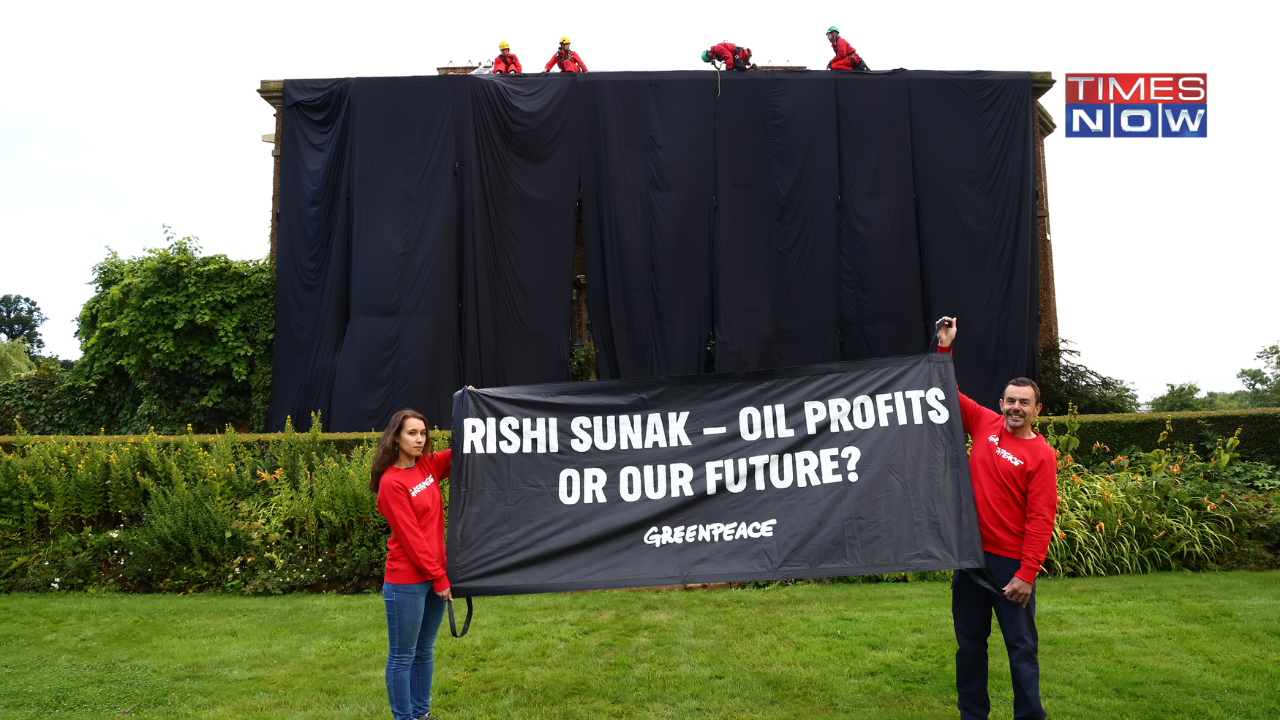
(338, 443)
(1259, 436)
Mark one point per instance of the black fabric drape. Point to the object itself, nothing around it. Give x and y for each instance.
(313, 243)
(971, 140)
(881, 307)
(776, 247)
(401, 344)
(427, 225)
(519, 172)
(647, 168)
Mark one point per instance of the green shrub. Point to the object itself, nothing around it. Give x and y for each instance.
(262, 514)
(50, 401)
(1168, 508)
(1259, 430)
(174, 338)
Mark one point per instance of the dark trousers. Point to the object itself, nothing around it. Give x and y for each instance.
(971, 606)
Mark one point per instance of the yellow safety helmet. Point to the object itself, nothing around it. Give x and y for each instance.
(564, 40)
(502, 45)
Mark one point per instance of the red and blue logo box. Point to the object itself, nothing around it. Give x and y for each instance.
(1137, 105)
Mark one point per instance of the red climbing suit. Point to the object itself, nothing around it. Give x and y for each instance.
(568, 62)
(724, 52)
(505, 64)
(846, 57)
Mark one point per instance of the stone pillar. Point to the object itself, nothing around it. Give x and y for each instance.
(273, 92)
(1044, 126)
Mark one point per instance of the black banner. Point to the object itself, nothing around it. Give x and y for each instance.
(840, 469)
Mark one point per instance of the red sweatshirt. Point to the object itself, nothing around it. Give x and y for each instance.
(409, 498)
(1015, 487)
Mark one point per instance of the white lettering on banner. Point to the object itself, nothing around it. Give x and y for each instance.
(675, 428)
(882, 404)
(914, 396)
(413, 492)
(649, 431)
(713, 532)
(939, 413)
(629, 431)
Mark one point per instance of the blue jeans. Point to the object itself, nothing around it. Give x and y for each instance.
(971, 608)
(413, 618)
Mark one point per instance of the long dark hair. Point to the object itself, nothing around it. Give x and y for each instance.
(389, 451)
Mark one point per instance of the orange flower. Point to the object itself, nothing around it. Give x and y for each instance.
(1099, 527)
(1076, 479)
(1062, 534)
(1211, 507)
(1157, 537)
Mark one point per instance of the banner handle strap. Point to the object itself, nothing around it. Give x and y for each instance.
(453, 624)
(981, 581)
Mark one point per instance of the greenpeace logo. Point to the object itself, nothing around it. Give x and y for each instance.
(413, 492)
(1004, 453)
(714, 532)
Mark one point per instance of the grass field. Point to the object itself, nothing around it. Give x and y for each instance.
(1155, 646)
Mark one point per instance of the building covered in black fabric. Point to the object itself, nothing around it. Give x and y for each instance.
(427, 229)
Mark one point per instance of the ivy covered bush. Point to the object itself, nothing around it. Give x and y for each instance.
(169, 339)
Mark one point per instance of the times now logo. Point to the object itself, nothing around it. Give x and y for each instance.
(1137, 105)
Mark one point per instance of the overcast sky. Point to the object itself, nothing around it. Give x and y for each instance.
(116, 118)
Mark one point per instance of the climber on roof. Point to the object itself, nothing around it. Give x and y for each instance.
(566, 59)
(846, 57)
(733, 57)
(506, 63)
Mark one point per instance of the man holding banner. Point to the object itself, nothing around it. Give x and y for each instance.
(1014, 475)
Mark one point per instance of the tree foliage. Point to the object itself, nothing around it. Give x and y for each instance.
(14, 359)
(176, 336)
(1263, 384)
(1178, 398)
(20, 319)
(1065, 382)
(1261, 389)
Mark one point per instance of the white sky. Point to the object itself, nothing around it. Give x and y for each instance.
(118, 117)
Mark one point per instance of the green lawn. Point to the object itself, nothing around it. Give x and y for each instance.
(1157, 646)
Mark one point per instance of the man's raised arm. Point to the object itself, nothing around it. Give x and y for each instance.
(970, 411)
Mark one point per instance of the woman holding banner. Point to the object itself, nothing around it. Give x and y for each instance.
(406, 476)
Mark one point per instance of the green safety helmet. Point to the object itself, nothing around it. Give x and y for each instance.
(706, 56)
(833, 29)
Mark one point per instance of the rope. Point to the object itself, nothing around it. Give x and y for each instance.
(453, 625)
(717, 67)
